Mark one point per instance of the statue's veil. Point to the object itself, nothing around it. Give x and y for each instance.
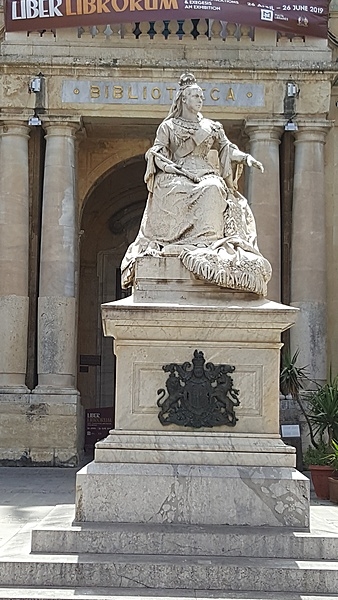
(186, 80)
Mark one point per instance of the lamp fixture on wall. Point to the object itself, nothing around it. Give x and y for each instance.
(291, 95)
(290, 126)
(34, 120)
(35, 85)
(292, 90)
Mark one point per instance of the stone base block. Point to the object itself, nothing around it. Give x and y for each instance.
(41, 429)
(195, 449)
(192, 494)
(165, 279)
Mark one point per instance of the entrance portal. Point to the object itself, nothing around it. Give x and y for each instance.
(110, 222)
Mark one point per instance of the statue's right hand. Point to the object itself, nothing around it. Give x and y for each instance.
(252, 162)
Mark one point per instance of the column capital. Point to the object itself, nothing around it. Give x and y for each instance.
(264, 129)
(312, 130)
(21, 116)
(14, 127)
(66, 126)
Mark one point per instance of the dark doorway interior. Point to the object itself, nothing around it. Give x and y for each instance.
(110, 221)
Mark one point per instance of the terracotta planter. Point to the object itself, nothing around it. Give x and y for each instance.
(333, 488)
(320, 478)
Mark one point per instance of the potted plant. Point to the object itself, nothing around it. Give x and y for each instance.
(322, 412)
(316, 459)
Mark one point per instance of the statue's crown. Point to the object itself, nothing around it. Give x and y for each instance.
(198, 359)
(186, 80)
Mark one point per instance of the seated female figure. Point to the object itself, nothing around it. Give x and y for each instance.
(196, 206)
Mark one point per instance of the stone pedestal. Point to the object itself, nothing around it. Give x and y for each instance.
(236, 475)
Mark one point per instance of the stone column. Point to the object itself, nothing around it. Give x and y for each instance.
(14, 252)
(308, 266)
(58, 267)
(264, 195)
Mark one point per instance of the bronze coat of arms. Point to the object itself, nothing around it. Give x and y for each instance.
(198, 394)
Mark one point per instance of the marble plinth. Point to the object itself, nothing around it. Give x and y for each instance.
(237, 475)
(192, 494)
(233, 328)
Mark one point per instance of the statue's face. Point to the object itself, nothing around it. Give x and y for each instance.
(193, 98)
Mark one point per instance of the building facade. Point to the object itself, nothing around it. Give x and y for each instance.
(78, 109)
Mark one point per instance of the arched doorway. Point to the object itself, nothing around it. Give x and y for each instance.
(110, 221)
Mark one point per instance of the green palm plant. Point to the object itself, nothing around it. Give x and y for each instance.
(321, 408)
(323, 411)
(292, 378)
(332, 459)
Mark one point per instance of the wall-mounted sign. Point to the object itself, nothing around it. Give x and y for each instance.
(310, 17)
(99, 421)
(146, 92)
(290, 431)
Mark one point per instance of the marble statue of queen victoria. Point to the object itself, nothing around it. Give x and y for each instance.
(193, 207)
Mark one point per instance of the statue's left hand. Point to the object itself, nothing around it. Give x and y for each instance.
(252, 162)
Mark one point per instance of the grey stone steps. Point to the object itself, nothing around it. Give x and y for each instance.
(56, 534)
(172, 572)
(78, 593)
(201, 541)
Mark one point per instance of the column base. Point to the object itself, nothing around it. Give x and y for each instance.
(51, 390)
(14, 389)
(41, 429)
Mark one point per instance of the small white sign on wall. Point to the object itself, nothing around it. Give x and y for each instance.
(290, 431)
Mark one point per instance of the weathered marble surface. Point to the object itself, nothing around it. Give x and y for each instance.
(165, 279)
(194, 448)
(242, 331)
(58, 533)
(192, 494)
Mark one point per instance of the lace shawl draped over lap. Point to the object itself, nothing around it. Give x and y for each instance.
(210, 220)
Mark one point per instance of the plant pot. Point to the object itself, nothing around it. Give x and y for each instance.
(333, 489)
(320, 478)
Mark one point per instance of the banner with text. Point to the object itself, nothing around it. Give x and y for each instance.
(307, 18)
